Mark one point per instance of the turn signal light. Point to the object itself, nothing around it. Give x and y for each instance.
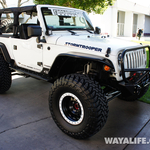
(106, 68)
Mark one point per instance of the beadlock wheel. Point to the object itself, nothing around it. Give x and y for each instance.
(71, 108)
(78, 105)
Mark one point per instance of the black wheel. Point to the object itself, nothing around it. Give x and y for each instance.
(134, 97)
(5, 75)
(6, 26)
(78, 105)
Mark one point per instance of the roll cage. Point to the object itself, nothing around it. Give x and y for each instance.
(16, 11)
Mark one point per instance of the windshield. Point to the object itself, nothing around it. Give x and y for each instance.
(59, 19)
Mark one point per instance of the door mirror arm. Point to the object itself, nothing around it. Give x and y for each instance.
(39, 40)
(97, 30)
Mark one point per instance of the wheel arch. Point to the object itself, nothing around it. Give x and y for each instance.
(70, 63)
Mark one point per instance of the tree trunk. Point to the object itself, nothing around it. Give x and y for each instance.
(4, 5)
(20, 3)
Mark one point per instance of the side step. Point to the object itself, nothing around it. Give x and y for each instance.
(31, 73)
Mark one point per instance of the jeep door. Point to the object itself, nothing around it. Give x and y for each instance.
(27, 52)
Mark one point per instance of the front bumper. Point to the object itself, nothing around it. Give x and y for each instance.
(142, 81)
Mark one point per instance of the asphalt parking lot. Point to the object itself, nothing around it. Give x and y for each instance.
(26, 123)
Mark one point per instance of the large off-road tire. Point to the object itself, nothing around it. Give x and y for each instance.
(134, 97)
(5, 75)
(6, 26)
(78, 105)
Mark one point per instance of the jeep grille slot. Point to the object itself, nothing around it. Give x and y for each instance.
(134, 59)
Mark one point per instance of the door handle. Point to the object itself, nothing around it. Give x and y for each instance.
(15, 47)
(39, 63)
(39, 46)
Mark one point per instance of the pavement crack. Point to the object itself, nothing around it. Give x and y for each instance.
(138, 133)
(1, 116)
(23, 124)
(142, 128)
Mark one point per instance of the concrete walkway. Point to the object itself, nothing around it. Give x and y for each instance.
(135, 39)
(26, 123)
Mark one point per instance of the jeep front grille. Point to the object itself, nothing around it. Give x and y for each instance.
(134, 59)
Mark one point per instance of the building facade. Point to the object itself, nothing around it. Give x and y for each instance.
(124, 18)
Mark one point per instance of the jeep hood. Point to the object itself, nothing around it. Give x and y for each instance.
(94, 43)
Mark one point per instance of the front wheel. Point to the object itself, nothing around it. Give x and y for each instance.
(78, 105)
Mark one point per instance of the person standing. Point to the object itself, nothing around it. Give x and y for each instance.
(139, 34)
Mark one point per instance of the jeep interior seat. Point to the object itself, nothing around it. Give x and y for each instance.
(23, 31)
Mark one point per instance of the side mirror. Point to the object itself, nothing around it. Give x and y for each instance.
(35, 31)
(97, 30)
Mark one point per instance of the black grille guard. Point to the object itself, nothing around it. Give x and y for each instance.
(123, 70)
(135, 87)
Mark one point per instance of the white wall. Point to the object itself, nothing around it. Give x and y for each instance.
(107, 21)
(113, 23)
(128, 5)
(102, 21)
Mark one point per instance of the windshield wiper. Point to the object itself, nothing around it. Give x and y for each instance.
(72, 32)
(80, 29)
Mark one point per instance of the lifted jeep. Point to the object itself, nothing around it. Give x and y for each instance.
(60, 45)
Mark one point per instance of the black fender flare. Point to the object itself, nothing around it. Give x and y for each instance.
(4, 52)
(88, 57)
(62, 59)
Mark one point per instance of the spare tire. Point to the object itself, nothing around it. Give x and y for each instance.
(6, 26)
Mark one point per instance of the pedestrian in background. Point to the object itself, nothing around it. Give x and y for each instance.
(139, 34)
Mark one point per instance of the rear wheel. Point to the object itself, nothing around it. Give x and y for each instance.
(5, 75)
(78, 105)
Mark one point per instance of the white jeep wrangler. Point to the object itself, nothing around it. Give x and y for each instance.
(60, 45)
